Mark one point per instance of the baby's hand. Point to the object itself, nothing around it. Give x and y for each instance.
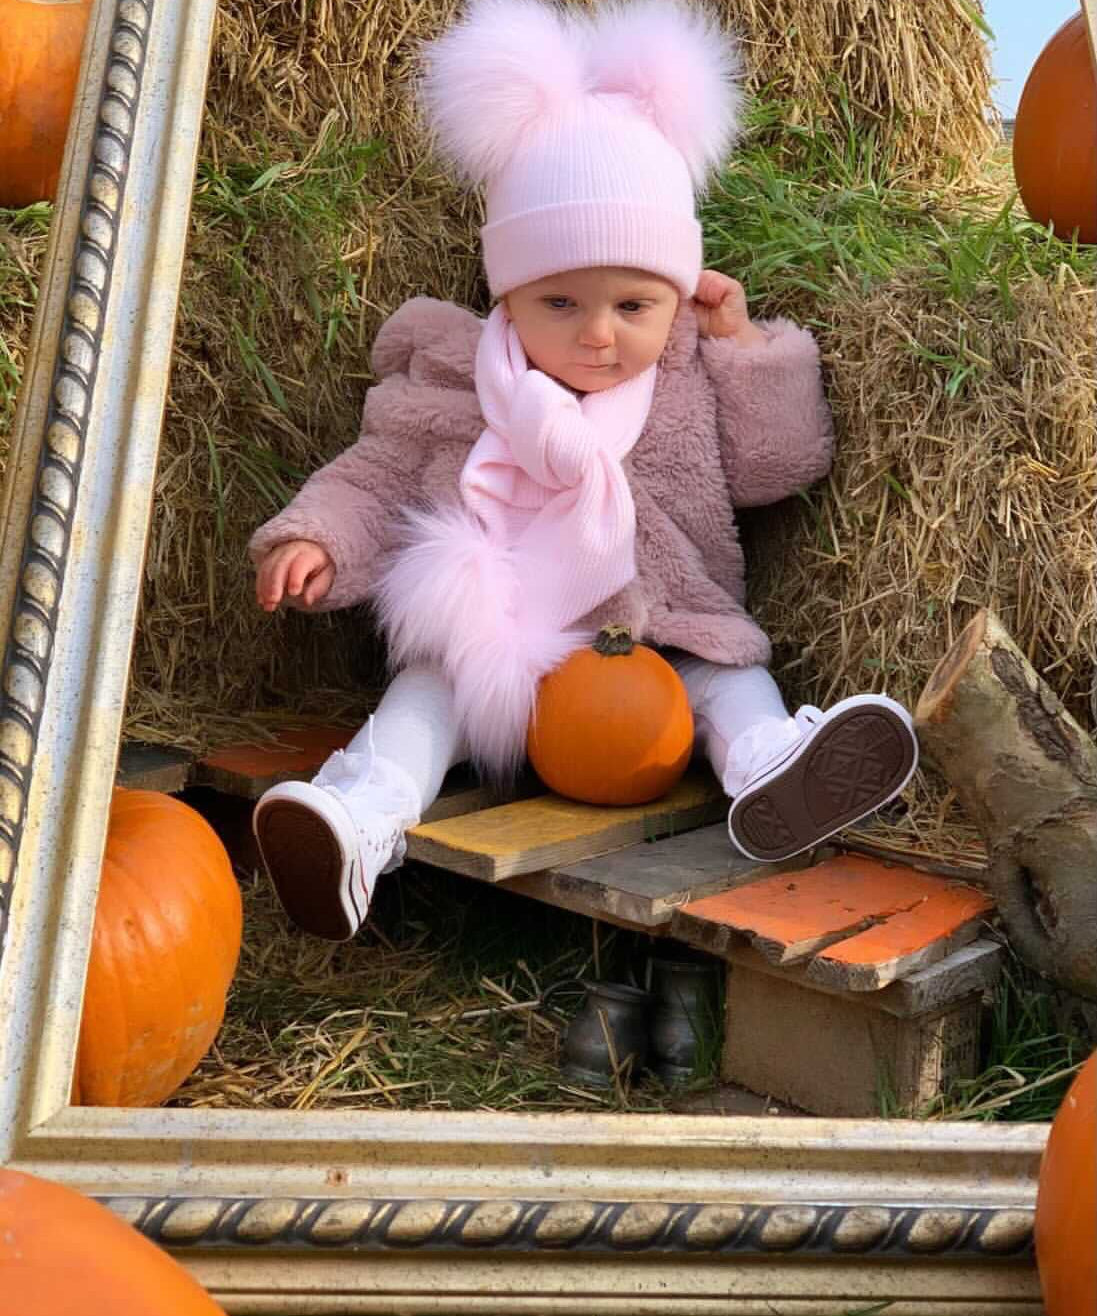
(298, 568)
(721, 306)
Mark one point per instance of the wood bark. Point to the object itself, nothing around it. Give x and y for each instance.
(1026, 773)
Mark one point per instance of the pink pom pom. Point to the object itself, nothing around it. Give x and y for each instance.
(488, 79)
(677, 63)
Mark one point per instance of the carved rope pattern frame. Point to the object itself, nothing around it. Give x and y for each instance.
(584, 1226)
(209, 1209)
(42, 576)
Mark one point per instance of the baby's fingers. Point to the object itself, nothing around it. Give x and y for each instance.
(710, 288)
(301, 566)
(270, 583)
(318, 585)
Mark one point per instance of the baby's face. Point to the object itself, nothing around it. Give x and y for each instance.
(592, 329)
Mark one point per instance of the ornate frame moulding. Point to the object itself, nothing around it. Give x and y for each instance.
(361, 1212)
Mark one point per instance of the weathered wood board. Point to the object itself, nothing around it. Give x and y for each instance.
(641, 886)
(905, 942)
(791, 918)
(973, 968)
(463, 792)
(550, 832)
(153, 767)
(248, 768)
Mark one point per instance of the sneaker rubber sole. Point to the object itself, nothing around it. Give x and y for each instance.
(851, 764)
(305, 863)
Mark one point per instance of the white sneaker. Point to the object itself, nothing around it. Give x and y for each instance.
(325, 842)
(832, 769)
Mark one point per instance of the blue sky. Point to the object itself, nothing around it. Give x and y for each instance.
(1021, 29)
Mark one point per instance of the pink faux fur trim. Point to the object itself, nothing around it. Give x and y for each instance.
(452, 597)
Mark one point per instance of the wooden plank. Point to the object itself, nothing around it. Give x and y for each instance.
(248, 768)
(463, 792)
(904, 942)
(973, 968)
(142, 766)
(793, 918)
(550, 832)
(842, 1055)
(641, 886)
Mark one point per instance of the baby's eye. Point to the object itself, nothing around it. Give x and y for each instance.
(631, 307)
(558, 303)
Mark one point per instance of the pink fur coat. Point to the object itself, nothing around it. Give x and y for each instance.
(729, 427)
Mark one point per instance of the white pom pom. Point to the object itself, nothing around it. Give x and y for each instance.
(677, 63)
(493, 75)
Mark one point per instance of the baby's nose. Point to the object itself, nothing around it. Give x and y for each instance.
(597, 331)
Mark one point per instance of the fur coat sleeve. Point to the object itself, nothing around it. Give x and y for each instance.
(776, 432)
(424, 399)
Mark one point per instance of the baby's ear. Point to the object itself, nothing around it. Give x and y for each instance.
(680, 66)
(492, 76)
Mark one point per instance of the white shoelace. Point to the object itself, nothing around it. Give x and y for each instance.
(380, 796)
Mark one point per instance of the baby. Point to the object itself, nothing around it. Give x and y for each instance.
(570, 461)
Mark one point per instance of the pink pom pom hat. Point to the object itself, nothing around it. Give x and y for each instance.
(589, 135)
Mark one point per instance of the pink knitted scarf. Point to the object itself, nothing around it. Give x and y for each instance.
(491, 587)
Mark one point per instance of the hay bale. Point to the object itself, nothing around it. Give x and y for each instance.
(22, 250)
(302, 242)
(914, 73)
(965, 476)
(285, 285)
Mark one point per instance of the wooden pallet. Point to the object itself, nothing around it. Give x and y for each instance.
(848, 979)
(853, 986)
(549, 832)
(854, 922)
(641, 886)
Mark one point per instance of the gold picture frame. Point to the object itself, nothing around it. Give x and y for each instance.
(312, 1212)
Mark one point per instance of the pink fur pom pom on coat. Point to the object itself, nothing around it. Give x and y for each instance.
(729, 426)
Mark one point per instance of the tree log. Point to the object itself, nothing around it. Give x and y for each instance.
(1026, 773)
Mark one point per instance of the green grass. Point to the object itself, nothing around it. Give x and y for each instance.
(18, 290)
(831, 217)
(303, 204)
(1029, 1062)
(280, 232)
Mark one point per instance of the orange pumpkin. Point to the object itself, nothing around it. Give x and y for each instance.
(612, 724)
(40, 49)
(166, 940)
(1055, 135)
(1066, 1202)
(61, 1253)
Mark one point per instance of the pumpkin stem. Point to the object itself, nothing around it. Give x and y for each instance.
(613, 641)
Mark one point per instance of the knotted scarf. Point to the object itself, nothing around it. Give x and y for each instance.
(491, 587)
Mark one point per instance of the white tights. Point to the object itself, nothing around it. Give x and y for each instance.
(415, 724)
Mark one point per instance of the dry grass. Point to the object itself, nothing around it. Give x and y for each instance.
(304, 236)
(915, 73)
(436, 1005)
(965, 476)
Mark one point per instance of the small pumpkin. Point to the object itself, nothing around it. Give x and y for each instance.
(1066, 1202)
(164, 948)
(39, 63)
(1055, 135)
(61, 1253)
(612, 724)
